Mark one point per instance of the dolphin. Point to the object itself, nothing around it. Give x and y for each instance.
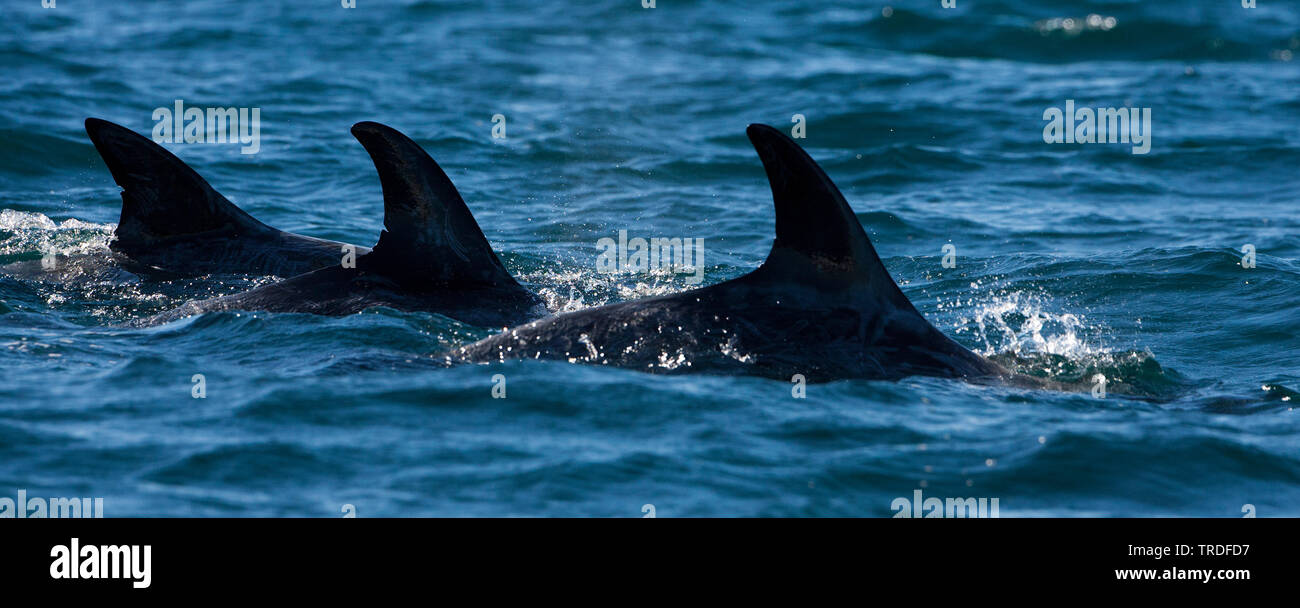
(173, 223)
(432, 255)
(822, 306)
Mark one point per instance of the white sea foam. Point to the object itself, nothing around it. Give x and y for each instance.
(1023, 323)
(26, 232)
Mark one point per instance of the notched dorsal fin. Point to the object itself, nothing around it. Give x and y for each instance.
(162, 197)
(429, 233)
(818, 238)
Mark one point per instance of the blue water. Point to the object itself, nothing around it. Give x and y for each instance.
(1072, 260)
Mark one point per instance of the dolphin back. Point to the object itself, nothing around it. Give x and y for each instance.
(819, 241)
(430, 237)
(822, 305)
(163, 199)
(821, 248)
(174, 221)
(431, 256)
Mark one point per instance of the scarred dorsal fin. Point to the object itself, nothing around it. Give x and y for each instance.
(163, 199)
(429, 233)
(818, 238)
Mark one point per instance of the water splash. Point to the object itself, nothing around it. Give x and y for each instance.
(1021, 323)
(24, 233)
(574, 289)
(1021, 331)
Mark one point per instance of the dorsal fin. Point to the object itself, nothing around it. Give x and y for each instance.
(818, 238)
(429, 233)
(162, 198)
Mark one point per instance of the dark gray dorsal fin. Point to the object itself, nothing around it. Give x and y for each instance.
(429, 233)
(818, 238)
(162, 197)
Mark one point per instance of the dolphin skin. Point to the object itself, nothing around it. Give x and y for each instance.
(432, 255)
(822, 305)
(173, 220)
(174, 224)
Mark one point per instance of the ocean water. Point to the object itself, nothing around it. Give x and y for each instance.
(1070, 260)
